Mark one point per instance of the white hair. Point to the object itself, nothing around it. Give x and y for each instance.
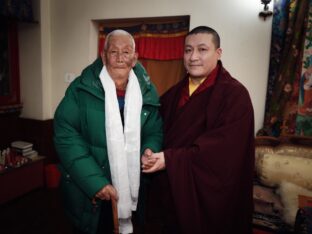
(116, 33)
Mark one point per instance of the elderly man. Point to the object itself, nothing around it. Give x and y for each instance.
(206, 170)
(107, 119)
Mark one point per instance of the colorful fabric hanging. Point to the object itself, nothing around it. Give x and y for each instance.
(289, 95)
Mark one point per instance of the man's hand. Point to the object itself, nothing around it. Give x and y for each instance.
(106, 193)
(147, 161)
(158, 163)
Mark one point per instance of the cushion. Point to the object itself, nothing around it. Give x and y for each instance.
(294, 150)
(261, 150)
(289, 194)
(271, 169)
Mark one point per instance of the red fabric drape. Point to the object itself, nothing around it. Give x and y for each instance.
(161, 48)
(163, 41)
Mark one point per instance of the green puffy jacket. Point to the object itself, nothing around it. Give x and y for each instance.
(80, 141)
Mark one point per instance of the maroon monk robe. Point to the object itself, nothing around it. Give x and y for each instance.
(209, 154)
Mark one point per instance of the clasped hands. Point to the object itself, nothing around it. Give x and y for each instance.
(152, 162)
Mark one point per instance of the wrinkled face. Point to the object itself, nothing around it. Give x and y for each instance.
(200, 55)
(120, 57)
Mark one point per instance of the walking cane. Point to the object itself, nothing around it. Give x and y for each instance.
(115, 216)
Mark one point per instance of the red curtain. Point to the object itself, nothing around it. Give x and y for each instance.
(160, 41)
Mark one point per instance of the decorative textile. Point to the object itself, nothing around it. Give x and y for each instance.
(154, 41)
(16, 9)
(304, 116)
(123, 145)
(289, 95)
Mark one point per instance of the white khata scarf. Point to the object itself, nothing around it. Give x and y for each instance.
(123, 145)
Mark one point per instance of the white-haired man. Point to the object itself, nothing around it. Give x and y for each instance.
(107, 119)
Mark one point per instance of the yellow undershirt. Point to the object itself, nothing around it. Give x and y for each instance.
(193, 86)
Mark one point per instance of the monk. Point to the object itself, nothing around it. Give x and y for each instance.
(204, 174)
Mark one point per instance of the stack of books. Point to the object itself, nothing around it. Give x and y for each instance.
(24, 148)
